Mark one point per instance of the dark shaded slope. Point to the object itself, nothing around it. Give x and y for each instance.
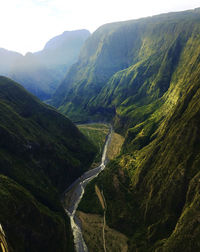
(30, 225)
(41, 153)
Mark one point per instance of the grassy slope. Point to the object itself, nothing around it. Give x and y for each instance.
(151, 190)
(92, 232)
(152, 194)
(41, 153)
(115, 146)
(96, 133)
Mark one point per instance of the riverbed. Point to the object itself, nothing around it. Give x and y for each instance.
(74, 193)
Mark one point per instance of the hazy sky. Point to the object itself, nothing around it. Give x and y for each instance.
(26, 25)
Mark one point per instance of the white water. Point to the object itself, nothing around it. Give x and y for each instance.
(77, 192)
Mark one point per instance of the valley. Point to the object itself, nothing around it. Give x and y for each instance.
(111, 163)
(96, 133)
(143, 77)
(72, 196)
(92, 232)
(111, 143)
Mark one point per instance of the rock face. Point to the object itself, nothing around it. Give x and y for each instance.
(42, 72)
(145, 76)
(41, 153)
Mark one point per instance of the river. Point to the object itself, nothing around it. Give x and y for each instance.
(74, 193)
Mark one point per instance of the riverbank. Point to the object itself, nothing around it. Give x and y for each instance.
(72, 197)
(92, 225)
(96, 133)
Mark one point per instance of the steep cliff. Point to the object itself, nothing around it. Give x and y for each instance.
(145, 76)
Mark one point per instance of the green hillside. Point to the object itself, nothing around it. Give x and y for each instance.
(127, 65)
(41, 154)
(153, 193)
(144, 76)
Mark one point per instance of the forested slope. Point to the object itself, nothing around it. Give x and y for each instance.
(41, 154)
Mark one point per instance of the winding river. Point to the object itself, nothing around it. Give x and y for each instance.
(73, 194)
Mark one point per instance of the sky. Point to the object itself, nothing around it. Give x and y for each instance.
(26, 25)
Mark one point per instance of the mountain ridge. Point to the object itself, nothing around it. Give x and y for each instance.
(90, 69)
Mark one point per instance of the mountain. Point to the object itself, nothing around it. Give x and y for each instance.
(124, 62)
(41, 154)
(152, 194)
(42, 72)
(8, 58)
(144, 76)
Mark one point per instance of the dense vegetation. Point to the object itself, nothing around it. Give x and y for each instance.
(145, 76)
(125, 68)
(41, 153)
(42, 72)
(153, 194)
(96, 133)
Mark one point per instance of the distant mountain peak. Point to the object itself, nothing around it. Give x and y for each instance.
(66, 35)
(41, 72)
